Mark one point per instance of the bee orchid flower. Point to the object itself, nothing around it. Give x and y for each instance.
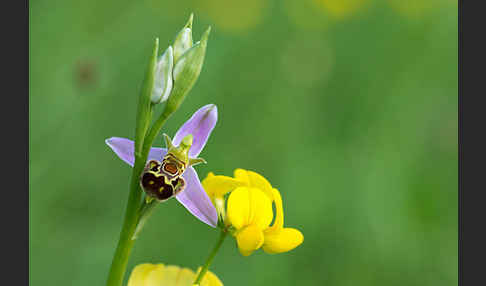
(199, 127)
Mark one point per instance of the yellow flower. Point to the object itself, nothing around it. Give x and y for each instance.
(171, 275)
(218, 186)
(249, 212)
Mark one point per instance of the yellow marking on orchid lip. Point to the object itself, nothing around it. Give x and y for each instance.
(151, 182)
(154, 173)
(167, 181)
(161, 189)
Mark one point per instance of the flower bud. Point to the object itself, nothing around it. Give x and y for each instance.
(163, 77)
(183, 41)
(186, 71)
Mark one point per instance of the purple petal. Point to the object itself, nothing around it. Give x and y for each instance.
(124, 149)
(195, 199)
(200, 126)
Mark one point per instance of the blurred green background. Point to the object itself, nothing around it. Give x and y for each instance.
(348, 107)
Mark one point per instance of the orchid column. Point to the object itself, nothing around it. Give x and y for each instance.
(168, 78)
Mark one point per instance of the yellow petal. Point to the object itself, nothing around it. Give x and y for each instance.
(169, 278)
(139, 274)
(249, 239)
(279, 215)
(210, 175)
(238, 207)
(155, 276)
(282, 241)
(208, 191)
(209, 279)
(159, 275)
(258, 181)
(261, 213)
(241, 175)
(185, 277)
(213, 279)
(249, 206)
(218, 186)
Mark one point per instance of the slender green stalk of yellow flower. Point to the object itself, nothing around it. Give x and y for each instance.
(210, 258)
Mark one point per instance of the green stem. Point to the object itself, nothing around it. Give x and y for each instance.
(210, 258)
(156, 127)
(125, 243)
(126, 240)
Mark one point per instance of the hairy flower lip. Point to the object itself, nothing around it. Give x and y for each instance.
(193, 198)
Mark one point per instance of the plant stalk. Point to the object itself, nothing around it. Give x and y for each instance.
(210, 258)
(132, 213)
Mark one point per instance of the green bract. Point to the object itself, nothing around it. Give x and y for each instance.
(183, 41)
(187, 70)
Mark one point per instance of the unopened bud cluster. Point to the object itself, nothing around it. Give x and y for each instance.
(179, 67)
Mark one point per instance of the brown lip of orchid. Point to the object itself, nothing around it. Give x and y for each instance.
(163, 180)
